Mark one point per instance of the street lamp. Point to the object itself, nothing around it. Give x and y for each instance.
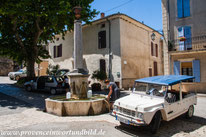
(77, 11)
(153, 36)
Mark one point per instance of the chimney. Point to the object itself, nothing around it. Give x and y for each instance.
(102, 15)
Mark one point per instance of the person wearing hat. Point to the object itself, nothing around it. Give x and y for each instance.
(113, 92)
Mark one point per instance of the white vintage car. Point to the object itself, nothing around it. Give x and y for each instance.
(154, 99)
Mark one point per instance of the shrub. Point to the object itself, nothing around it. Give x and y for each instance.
(99, 75)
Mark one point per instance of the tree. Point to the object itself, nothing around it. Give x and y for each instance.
(26, 27)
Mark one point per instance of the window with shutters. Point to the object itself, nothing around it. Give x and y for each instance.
(155, 69)
(156, 49)
(102, 65)
(183, 8)
(57, 51)
(150, 72)
(185, 33)
(102, 39)
(152, 49)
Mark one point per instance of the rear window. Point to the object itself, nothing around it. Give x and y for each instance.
(59, 79)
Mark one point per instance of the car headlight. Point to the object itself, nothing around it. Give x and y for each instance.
(139, 115)
(116, 108)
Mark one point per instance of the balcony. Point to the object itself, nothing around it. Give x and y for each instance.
(190, 44)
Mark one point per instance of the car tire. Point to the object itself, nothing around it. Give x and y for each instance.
(155, 123)
(10, 78)
(28, 88)
(190, 112)
(53, 91)
(17, 78)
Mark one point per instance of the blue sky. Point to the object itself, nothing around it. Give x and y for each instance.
(148, 11)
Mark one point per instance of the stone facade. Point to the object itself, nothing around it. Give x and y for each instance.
(130, 52)
(186, 56)
(6, 66)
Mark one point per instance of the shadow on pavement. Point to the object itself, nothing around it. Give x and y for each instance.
(167, 129)
(35, 98)
(11, 102)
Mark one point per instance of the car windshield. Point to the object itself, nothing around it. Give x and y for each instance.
(150, 89)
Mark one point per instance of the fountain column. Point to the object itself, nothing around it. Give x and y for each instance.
(78, 77)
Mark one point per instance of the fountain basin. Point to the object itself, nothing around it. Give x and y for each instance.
(77, 107)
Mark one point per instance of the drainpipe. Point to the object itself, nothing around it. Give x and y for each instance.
(110, 53)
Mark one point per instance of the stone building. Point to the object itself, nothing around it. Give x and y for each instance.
(184, 26)
(117, 44)
(6, 66)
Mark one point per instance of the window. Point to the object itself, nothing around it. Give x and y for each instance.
(150, 72)
(102, 39)
(103, 26)
(49, 80)
(102, 65)
(185, 32)
(156, 50)
(183, 8)
(58, 51)
(155, 69)
(187, 68)
(152, 49)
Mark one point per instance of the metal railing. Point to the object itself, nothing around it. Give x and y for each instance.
(193, 43)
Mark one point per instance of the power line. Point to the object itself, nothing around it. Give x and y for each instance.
(119, 6)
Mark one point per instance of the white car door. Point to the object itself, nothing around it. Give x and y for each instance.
(172, 107)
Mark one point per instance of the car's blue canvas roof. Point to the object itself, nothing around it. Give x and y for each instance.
(165, 80)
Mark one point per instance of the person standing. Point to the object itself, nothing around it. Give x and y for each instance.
(114, 93)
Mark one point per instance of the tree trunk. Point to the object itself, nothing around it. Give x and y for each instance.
(30, 68)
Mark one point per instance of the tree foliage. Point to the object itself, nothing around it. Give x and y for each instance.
(26, 26)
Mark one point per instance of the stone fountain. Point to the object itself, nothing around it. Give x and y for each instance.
(78, 80)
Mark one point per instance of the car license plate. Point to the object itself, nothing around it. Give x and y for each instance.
(123, 120)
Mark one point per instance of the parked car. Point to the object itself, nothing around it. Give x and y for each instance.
(154, 99)
(50, 84)
(18, 74)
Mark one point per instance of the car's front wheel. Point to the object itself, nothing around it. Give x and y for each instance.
(155, 124)
(53, 91)
(190, 112)
(28, 88)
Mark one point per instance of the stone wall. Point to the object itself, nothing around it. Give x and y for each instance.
(6, 66)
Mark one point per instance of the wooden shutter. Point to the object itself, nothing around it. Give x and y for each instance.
(152, 49)
(176, 67)
(102, 65)
(55, 51)
(186, 6)
(155, 69)
(150, 72)
(196, 70)
(188, 36)
(156, 50)
(179, 8)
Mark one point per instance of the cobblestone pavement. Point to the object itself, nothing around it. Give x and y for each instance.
(31, 119)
